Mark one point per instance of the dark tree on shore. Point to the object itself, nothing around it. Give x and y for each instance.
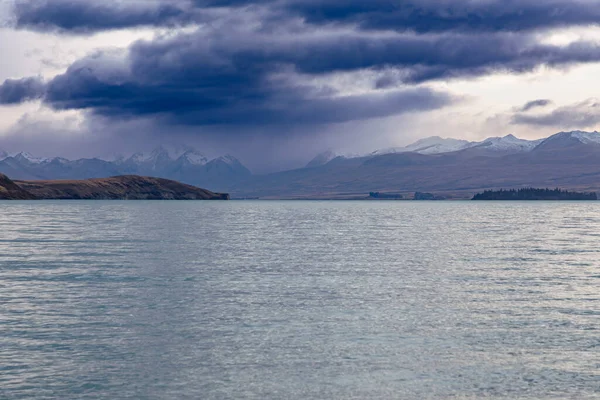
(534, 194)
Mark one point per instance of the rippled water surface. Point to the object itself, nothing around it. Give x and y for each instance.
(299, 300)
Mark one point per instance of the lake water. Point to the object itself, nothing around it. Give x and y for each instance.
(299, 300)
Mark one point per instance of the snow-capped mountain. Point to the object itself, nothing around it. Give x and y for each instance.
(580, 136)
(184, 164)
(439, 145)
(27, 157)
(569, 160)
(193, 157)
(508, 143)
(568, 140)
(587, 137)
(162, 155)
(430, 145)
(322, 159)
(493, 146)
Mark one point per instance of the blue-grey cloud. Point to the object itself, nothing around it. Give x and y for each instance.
(245, 75)
(86, 16)
(213, 94)
(574, 116)
(423, 16)
(450, 15)
(261, 73)
(15, 91)
(535, 104)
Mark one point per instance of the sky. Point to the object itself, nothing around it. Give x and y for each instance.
(274, 82)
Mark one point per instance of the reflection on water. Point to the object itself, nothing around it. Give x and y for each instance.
(299, 300)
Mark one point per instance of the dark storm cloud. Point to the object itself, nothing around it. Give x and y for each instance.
(218, 91)
(15, 91)
(246, 69)
(535, 104)
(85, 16)
(574, 116)
(423, 16)
(450, 15)
(236, 75)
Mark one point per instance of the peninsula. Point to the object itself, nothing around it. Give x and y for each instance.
(127, 187)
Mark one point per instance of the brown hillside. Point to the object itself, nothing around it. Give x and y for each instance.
(128, 187)
(9, 190)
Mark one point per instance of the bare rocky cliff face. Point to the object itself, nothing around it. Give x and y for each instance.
(128, 187)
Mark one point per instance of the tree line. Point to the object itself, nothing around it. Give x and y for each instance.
(534, 194)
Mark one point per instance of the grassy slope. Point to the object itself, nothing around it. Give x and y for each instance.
(129, 187)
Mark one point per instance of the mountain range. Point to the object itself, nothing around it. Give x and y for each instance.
(181, 164)
(450, 166)
(493, 146)
(455, 167)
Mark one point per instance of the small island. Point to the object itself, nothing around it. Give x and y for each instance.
(534, 194)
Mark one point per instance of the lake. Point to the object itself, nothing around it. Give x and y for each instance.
(299, 300)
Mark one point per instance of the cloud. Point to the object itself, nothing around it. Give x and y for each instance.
(574, 116)
(271, 64)
(87, 16)
(228, 79)
(422, 16)
(15, 91)
(210, 94)
(426, 16)
(237, 72)
(535, 104)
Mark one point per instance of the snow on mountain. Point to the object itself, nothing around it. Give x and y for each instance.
(228, 160)
(27, 157)
(439, 145)
(115, 158)
(430, 145)
(60, 160)
(227, 166)
(139, 158)
(166, 154)
(564, 140)
(193, 157)
(321, 159)
(507, 143)
(586, 137)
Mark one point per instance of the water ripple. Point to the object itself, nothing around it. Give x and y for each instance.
(336, 300)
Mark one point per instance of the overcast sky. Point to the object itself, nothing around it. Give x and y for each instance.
(273, 82)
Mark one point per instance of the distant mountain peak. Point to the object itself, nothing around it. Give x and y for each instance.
(193, 157)
(428, 145)
(28, 157)
(322, 159)
(563, 140)
(439, 145)
(509, 143)
(166, 154)
(227, 159)
(586, 137)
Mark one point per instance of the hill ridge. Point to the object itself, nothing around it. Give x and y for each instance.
(122, 187)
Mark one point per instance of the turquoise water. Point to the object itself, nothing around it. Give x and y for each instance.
(299, 300)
